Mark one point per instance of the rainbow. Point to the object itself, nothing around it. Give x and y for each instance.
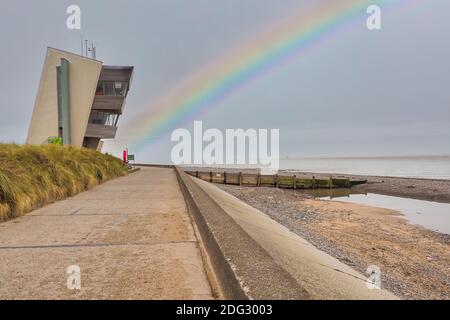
(248, 61)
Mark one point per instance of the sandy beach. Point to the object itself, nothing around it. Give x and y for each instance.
(414, 261)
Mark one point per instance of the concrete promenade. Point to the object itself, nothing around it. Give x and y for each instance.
(321, 275)
(131, 238)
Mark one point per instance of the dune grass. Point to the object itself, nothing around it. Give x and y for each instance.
(32, 176)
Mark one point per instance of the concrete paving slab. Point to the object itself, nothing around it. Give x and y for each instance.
(107, 272)
(73, 206)
(88, 229)
(129, 244)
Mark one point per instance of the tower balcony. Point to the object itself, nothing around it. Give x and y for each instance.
(101, 131)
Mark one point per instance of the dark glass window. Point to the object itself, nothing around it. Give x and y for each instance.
(104, 118)
(99, 90)
(120, 88)
(112, 88)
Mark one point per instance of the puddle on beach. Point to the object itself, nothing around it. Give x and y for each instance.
(431, 215)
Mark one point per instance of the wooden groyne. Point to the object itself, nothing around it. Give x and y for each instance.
(278, 181)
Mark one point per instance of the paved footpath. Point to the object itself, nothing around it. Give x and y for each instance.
(131, 238)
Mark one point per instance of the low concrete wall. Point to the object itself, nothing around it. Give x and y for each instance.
(133, 170)
(242, 268)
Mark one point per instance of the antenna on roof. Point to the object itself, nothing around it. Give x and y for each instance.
(82, 46)
(93, 51)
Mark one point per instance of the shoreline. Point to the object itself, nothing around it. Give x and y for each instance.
(431, 189)
(414, 261)
(437, 190)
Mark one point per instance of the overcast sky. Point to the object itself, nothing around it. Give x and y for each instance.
(359, 93)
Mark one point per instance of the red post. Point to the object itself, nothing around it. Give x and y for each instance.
(125, 156)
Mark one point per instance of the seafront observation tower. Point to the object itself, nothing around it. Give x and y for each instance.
(79, 100)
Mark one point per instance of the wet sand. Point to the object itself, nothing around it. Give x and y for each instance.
(423, 189)
(416, 188)
(414, 261)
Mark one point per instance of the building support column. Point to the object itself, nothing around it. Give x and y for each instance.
(64, 100)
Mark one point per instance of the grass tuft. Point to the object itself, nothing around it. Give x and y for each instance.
(32, 176)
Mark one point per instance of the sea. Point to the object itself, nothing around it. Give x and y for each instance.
(430, 167)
